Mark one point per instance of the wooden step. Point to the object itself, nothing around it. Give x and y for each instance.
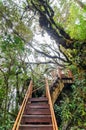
(37, 105)
(36, 127)
(37, 111)
(35, 119)
(41, 99)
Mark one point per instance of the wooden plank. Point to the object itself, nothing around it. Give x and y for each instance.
(36, 115)
(35, 119)
(35, 127)
(37, 105)
(41, 99)
(37, 112)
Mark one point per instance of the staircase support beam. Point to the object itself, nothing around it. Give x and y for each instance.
(57, 91)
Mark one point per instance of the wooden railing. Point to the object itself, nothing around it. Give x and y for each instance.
(61, 74)
(54, 123)
(27, 95)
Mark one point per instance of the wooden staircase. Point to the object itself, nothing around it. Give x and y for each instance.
(36, 113)
(60, 81)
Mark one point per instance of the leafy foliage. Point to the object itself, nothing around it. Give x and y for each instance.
(76, 23)
(71, 17)
(14, 76)
(16, 70)
(71, 109)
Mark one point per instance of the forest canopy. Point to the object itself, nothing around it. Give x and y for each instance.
(37, 37)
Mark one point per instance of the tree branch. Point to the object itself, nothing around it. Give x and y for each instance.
(47, 55)
(45, 62)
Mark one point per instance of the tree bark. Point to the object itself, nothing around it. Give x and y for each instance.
(47, 22)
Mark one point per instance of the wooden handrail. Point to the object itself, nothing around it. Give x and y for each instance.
(51, 107)
(27, 95)
(36, 89)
